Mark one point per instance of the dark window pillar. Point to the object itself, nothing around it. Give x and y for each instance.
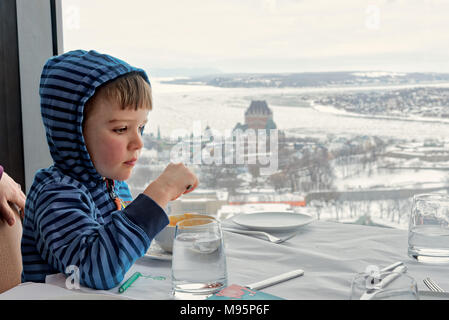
(11, 140)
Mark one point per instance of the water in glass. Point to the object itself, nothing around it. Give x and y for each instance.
(428, 238)
(199, 263)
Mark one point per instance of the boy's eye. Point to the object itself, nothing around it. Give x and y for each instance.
(141, 128)
(120, 130)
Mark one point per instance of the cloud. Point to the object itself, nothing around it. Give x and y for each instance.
(180, 33)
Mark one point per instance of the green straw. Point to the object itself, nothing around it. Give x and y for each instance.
(128, 282)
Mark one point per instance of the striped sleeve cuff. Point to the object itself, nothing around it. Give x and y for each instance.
(147, 214)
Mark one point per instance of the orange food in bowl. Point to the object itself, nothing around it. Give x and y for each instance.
(176, 218)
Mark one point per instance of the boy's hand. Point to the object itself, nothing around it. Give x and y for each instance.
(175, 181)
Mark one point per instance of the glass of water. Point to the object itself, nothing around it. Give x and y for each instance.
(428, 237)
(199, 261)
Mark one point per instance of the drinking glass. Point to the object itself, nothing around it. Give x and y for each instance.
(368, 287)
(198, 262)
(428, 237)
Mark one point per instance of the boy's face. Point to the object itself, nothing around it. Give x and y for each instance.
(113, 138)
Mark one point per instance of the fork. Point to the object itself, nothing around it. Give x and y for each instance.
(270, 237)
(432, 285)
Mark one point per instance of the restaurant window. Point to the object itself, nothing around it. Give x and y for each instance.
(337, 110)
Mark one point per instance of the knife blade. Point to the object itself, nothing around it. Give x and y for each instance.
(391, 266)
(275, 280)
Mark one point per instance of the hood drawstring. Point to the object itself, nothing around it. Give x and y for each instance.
(111, 190)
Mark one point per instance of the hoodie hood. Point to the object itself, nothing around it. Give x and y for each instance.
(67, 82)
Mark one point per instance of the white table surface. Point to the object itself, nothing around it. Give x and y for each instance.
(329, 253)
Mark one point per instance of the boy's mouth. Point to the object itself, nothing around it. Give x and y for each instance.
(131, 162)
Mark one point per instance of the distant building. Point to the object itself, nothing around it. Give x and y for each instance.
(259, 116)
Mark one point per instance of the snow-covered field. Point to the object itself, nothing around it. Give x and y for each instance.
(177, 107)
(393, 179)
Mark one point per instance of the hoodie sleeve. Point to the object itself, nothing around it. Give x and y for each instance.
(67, 234)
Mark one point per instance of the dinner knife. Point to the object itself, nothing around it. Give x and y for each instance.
(275, 280)
(392, 266)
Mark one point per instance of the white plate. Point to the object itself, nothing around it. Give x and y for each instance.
(273, 221)
(156, 252)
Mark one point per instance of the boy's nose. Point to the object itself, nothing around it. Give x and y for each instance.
(137, 142)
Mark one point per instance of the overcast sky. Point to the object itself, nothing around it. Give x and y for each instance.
(264, 35)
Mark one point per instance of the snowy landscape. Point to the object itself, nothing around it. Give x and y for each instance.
(345, 161)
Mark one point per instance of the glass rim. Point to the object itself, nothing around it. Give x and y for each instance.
(360, 277)
(209, 221)
(360, 274)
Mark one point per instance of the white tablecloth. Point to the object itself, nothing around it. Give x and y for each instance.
(329, 253)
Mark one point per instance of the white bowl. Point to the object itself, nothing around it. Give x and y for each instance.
(166, 237)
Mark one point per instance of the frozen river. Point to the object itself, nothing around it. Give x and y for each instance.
(178, 106)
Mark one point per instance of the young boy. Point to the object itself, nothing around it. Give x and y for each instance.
(94, 108)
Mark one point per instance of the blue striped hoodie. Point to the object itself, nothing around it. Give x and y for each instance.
(71, 219)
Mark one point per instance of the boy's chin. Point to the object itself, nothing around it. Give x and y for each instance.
(121, 176)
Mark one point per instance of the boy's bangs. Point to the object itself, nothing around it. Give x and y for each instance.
(131, 91)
